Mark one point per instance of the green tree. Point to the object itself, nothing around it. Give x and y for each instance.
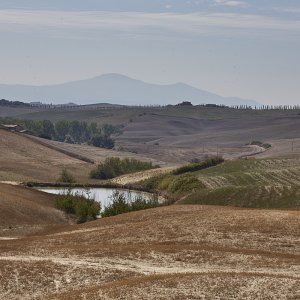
(62, 128)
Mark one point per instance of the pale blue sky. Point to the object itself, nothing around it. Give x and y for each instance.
(243, 48)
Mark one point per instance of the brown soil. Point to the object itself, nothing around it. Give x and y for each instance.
(176, 136)
(24, 211)
(24, 159)
(175, 252)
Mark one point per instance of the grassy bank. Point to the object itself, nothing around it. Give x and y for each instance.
(248, 196)
(266, 183)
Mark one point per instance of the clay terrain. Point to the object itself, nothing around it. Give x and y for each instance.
(177, 134)
(175, 252)
(25, 158)
(25, 211)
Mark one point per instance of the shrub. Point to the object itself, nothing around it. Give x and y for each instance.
(193, 167)
(84, 209)
(121, 205)
(66, 177)
(102, 141)
(114, 166)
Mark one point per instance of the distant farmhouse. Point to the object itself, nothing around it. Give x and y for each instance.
(185, 103)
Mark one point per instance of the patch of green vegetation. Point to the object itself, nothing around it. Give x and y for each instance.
(248, 196)
(173, 187)
(265, 183)
(114, 166)
(66, 177)
(121, 205)
(197, 166)
(252, 172)
(84, 209)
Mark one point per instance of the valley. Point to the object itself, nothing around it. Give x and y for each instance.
(229, 231)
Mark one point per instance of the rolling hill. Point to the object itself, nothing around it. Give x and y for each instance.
(174, 252)
(25, 158)
(24, 211)
(117, 89)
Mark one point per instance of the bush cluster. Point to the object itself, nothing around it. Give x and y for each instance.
(84, 209)
(121, 205)
(114, 166)
(197, 166)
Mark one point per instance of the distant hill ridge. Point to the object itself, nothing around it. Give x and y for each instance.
(116, 89)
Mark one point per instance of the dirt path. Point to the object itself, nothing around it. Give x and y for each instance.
(136, 177)
(146, 267)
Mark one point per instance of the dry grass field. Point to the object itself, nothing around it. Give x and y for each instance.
(24, 159)
(181, 136)
(24, 211)
(174, 252)
(177, 134)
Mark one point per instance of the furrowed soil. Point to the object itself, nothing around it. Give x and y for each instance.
(174, 252)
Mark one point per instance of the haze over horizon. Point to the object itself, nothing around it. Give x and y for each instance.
(245, 49)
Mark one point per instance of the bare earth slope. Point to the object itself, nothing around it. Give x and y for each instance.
(34, 159)
(24, 211)
(175, 252)
(177, 134)
(24, 160)
(182, 136)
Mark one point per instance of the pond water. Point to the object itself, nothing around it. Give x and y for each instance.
(102, 195)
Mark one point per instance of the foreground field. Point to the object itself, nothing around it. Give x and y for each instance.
(175, 252)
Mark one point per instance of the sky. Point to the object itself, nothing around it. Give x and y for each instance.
(242, 48)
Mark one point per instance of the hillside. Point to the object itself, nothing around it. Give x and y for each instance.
(177, 134)
(24, 211)
(175, 252)
(116, 89)
(256, 183)
(26, 159)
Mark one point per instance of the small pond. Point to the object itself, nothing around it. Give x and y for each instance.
(102, 195)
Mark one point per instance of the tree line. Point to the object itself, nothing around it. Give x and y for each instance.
(73, 132)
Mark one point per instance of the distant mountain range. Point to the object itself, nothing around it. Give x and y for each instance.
(116, 89)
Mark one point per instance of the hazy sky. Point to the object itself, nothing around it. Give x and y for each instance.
(249, 49)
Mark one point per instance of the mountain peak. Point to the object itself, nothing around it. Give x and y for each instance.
(116, 88)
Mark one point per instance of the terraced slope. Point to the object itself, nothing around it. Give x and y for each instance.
(267, 172)
(174, 252)
(251, 183)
